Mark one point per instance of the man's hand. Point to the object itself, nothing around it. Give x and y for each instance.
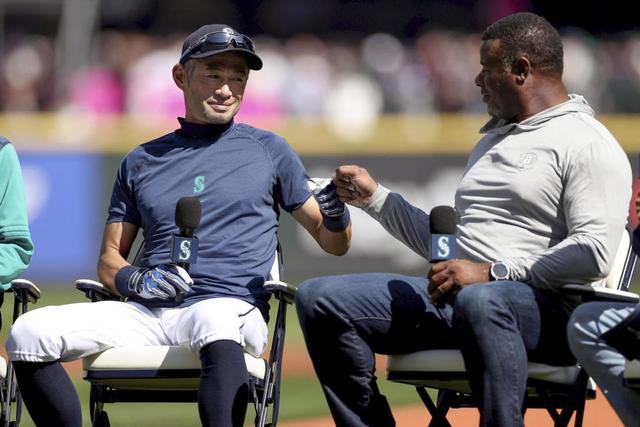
(447, 278)
(354, 185)
(165, 282)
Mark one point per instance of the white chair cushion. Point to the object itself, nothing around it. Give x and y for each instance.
(157, 358)
(450, 361)
(632, 370)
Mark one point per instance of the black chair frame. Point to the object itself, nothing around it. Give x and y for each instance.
(561, 401)
(24, 292)
(264, 393)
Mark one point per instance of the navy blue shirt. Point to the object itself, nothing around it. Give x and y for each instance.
(241, 175)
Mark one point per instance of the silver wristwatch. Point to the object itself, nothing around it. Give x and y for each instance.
(499, 271)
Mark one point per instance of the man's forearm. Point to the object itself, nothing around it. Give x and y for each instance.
(402, 220)
(108, 266)
(576, 260)
(335, 243)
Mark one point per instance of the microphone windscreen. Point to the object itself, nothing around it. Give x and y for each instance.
(188, 211)
(443, 220)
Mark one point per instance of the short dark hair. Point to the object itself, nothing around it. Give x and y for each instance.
(530, 35)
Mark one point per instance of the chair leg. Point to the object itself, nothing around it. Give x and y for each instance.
(99, 417)
(575, 402)
(256, 398)
(438, 412)
(579, 415)
(9, 395)
(582, 384)
(271, 392)
(20, 307)
(11, 400)
(18, 410)
(4, 417)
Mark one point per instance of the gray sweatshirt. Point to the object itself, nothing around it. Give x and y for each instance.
(549, 196)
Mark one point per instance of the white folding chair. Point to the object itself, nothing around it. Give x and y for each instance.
(24, 292)
(172, 373)
(561, 390)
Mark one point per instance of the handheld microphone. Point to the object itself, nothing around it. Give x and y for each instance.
(184, 245)
(442, 224)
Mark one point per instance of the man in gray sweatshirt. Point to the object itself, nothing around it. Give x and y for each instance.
(542, 203)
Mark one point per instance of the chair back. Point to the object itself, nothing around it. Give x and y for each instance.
(619, 277)
(277, 269)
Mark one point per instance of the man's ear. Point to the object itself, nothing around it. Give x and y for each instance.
(179, 73)
(521, 69)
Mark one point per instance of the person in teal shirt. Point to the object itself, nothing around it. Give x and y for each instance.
(16, 247)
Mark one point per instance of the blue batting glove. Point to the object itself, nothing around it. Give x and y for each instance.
(164, 282)
(335, 215)
(324, 191)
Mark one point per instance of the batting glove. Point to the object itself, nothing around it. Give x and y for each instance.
(335, 215)
(164, 282)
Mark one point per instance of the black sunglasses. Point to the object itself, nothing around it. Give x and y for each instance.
(216, 41)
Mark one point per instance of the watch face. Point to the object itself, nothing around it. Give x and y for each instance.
(500, 271)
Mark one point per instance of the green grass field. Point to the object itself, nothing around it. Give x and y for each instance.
(301, 396)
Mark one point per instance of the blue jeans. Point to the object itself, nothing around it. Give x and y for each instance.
(346, 319)
(602, 362)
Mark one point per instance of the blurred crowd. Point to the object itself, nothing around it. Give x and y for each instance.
(130, 73)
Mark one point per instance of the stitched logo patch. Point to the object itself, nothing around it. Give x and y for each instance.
(526, 161)
(198, 184)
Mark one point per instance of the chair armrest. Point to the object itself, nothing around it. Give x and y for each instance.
(25, 290)
(589, 293)
(95, 291)
(281, 290)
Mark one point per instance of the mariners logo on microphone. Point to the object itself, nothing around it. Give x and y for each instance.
(443, 246)
(184, 250)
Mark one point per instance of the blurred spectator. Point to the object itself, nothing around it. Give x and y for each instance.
(347, 80)
(26, 74)
(265, 96)
(309, 75)
(452, 60)
(96, 90)
(406, 86)
(583, 68)
(150, 88)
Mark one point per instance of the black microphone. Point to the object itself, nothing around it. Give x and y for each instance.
(184, 245)
(443, 221)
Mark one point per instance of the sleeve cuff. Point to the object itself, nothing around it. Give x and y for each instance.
(337, 224)
(123, 278)
(375, 204)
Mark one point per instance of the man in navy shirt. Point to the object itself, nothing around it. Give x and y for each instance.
(242, 177)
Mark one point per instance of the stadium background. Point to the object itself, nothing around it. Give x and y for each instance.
(384, 84)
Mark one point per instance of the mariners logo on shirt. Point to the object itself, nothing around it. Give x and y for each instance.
(526, 161)
(198, 184)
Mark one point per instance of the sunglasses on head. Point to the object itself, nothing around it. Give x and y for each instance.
(216, 41)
